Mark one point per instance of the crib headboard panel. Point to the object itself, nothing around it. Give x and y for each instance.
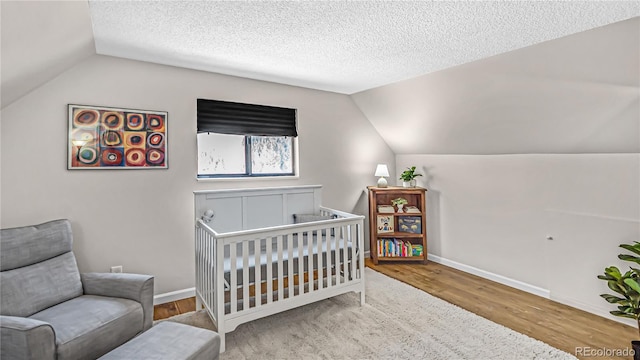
(244, 209)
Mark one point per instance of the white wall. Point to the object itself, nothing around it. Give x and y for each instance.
(143, 219)
(494, 212)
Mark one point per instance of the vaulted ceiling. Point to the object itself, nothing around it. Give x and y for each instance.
(432, 77)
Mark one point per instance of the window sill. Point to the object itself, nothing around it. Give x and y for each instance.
(257, 178)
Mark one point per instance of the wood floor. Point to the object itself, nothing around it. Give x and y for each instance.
(558, 325)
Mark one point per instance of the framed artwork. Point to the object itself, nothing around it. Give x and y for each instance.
(114, 138)
(385, 224)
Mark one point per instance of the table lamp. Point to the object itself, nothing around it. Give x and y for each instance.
(382, 171)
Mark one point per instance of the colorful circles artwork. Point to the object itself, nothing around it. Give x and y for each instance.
(102, 137)
(136, 139)
(135, 157)
(112, 157)
(111, 138)
(155, 157)
(87, 155)
(112, 120)
(135, 122)
(155, 139)
(85, 118)
(156, 122)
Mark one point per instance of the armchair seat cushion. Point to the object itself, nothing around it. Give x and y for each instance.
(92, 325)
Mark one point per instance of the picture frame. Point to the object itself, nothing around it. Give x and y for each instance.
(385, 224)
(102, 138)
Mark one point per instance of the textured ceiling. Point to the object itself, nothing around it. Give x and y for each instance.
(339, 46)
(577, 94)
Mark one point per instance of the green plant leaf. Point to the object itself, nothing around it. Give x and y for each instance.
(614, 299)
(635, 248)
(614, 272)
(613, 285)
(627, 284)
(633, 284)
(622, 314)
(631, 258)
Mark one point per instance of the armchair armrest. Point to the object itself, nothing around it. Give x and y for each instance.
(129, 286)
(24, 338)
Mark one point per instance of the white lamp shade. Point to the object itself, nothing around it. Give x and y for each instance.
(381, 170)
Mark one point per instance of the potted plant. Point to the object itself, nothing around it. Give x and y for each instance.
(409, 176)
(399, 202)
(627, 289)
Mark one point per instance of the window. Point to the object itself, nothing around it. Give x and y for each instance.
(245, 140)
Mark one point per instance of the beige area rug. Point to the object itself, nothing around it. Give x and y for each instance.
(398, 321)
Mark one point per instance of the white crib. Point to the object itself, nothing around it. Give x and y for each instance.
(253, 261)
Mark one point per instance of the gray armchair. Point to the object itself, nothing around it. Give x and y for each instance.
(48, 310)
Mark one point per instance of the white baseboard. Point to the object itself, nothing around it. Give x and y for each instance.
(174, 296)
(594, 310)
(491, 276)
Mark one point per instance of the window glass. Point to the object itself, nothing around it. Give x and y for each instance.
(271, 155)
(221, 154)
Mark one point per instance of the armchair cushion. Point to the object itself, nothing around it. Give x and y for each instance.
(33, 288)
(128, 286)
(92, 325)
(26, 245)
(38, 269)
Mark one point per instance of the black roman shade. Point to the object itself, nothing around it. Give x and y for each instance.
(245, 119)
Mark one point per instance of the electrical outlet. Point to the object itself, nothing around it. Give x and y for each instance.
(116, 269)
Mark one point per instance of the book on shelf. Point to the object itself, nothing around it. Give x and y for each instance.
(410, 224)
(386, 209)
(411, 210)
(385, 224)
(392, 247)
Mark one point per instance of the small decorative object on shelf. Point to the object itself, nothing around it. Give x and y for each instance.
(402, 235)
(399, 202)
(382, 172)
(408, 177)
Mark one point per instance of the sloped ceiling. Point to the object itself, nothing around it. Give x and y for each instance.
(39, 40)
(577, 94)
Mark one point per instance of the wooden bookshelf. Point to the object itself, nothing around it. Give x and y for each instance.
(398, 236)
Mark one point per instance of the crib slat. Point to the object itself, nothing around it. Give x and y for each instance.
(300, 264)
(245, 275)
(326, 239)
(209, 250)
(269, 277)
(310, 259)
(280, 277)
(336, 255)
(336, 242)
(320, 255)
(290, 265)
(233, 282)
(257, 283)
(354, 257)
(344, 237)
